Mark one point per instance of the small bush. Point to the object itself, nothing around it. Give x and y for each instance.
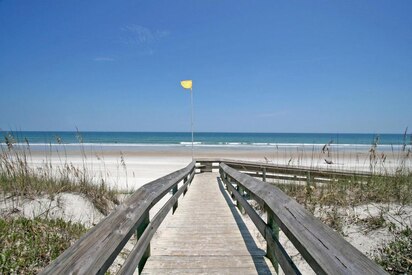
(396, 256)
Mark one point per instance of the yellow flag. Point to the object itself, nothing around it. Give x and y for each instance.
(187, 84)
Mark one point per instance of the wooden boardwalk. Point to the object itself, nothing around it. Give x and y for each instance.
(206, 234)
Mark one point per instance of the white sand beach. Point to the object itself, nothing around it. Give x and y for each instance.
(128, 168)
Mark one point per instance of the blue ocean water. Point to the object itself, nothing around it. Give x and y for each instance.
(204, 138)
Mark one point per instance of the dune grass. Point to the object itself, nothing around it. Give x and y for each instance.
(349, 193)
(28, 245)
(332, 203)
(19, 178)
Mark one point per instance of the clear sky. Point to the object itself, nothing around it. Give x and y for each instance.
(257, 66)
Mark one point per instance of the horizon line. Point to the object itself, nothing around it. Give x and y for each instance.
(201, 132)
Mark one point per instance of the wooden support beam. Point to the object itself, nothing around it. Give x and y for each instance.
(139, 232)
(238, 203)
(184, 184)
(177, 202)
(264, 174)
(270, 253)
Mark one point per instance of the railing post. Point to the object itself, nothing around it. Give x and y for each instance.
(223, 174)
(229, 181)
(139, 232)
(226, 180)
(184, 182)
(208, 167)
(205, 166)
(264, 174)
(308, 188)
(238, 204)
(174, 190)
(275, 228)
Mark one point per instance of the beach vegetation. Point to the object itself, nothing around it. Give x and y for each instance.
(390, 191)
(396, 256)
(383, 186)
(29, 245)
(19, 178)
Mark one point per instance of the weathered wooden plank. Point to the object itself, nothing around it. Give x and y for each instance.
(98, 248)
(272, 230)
(298, 171)
(203, 250)
(325, 250)
(137, 257)
(173, 262)
(206, 166)
(264, 174)
(205, 230)
(285, 169)
(208, 270)
(289, 177)
(174, 191)
(210, 242)
(145, 251)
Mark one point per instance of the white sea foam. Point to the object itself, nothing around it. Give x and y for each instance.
(190, 143)
(306, 146)
(260, 144)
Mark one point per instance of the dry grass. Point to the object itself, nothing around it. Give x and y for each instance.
(19, 178)
(347, 193)
(28, 245)
(333, 202)
(383, 187)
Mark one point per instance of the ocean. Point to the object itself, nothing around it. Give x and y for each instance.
(205, 139)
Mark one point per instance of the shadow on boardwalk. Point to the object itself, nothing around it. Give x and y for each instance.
(258, 260)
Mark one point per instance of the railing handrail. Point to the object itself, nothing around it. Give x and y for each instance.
(247, 165)
(95, 251)
(324, 249)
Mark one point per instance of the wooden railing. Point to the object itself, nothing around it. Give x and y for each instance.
(98, 248)
(283, 172)
(323, 249)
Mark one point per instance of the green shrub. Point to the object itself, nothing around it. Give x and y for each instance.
(396, 256)
(27, 246)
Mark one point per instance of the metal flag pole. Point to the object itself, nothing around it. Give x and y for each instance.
(187, 84)
(191, 103)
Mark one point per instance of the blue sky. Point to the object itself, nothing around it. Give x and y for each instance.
(257, 66)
